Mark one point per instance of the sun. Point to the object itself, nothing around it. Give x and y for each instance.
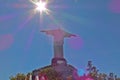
(41, 6)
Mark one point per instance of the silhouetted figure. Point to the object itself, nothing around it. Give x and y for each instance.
(58, 36)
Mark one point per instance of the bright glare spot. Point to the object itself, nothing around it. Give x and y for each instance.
(41, 6)
(81, 72)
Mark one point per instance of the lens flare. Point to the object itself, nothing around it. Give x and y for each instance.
(41, 6)
(76, 43)
(81, 72)
(114, 6)
(6, 41)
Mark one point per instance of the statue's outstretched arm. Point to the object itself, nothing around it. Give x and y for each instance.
(70, 35)
(49, 32)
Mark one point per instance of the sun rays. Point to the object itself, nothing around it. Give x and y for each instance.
(40, 6)
(26, 12)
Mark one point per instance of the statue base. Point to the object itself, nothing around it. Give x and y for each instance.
(59, 61)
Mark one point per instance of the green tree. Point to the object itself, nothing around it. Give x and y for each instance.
(18, 76)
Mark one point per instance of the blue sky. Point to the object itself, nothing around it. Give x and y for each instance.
(23, 48)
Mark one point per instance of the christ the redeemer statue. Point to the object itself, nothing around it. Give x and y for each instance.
(58, 37)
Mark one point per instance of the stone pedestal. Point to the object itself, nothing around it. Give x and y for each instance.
(58, 61)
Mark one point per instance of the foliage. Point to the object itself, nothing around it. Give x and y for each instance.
(18, 76)
(51, 74)
(94, 73)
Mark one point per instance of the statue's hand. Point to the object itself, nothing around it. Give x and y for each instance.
(49, 32)
(43, 31)
(73, 35)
